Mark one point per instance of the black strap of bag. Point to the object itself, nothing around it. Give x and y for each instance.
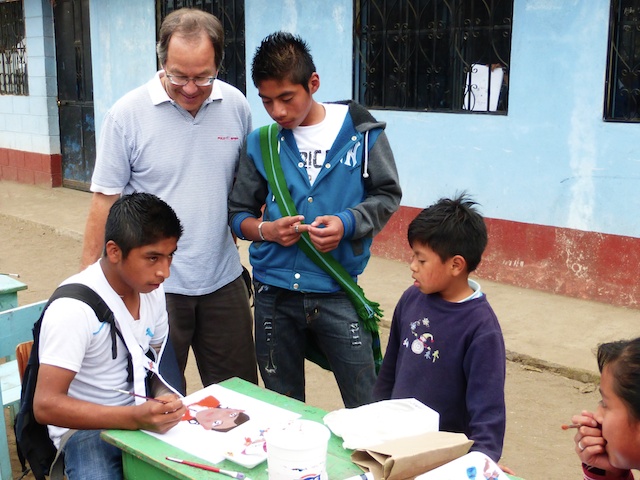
(32, 438)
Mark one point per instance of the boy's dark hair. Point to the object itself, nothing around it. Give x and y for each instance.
(451, 227)
(623, 359)
(283, 56)
(140, 219)
(191, 23)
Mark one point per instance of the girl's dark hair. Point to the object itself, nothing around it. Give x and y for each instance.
(283, 56)
(140, 219)
(451, 227)
(623, 359)
(191, 23)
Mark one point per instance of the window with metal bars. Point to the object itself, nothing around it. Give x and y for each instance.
(433, 55)
(622, 87)
(231, 15)
(13, 54)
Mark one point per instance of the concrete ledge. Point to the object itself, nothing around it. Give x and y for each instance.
(584, 376)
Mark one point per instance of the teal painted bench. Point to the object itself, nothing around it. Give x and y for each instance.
(16, 326)
(9, 288)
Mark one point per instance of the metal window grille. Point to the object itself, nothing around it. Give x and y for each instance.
(622, 88)
(436, 55)
(13, 54)
(231, 14)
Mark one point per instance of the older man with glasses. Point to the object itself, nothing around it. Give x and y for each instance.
(179, 137)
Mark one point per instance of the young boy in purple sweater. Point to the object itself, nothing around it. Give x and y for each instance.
(445, 347)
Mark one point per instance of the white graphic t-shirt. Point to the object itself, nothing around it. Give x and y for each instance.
(314, 141)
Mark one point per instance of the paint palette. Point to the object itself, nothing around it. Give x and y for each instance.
(248, 450)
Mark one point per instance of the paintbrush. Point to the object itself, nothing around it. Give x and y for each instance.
(571, 425)
(238, 475)
(133, 394)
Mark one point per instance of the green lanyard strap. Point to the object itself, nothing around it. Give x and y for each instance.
(368, 311)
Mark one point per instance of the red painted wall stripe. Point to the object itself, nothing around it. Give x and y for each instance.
(32, 168)
(586, 265)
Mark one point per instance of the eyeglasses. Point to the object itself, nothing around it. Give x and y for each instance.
(182, 81)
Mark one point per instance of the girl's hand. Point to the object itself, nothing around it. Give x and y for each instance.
(590, 444)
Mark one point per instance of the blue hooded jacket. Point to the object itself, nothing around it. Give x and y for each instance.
(359, 183)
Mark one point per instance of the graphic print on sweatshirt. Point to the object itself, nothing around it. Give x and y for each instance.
(421, 342)
(313, 161)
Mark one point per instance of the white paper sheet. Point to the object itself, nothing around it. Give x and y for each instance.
(215, 446)
(477, 88)
(381, 422)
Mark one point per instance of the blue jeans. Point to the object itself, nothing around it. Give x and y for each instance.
(87, 456)
(284, 318)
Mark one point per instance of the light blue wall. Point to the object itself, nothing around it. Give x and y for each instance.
(123, 35)
(550, 161)
(123, 57)
(30, 122)
(326, 26)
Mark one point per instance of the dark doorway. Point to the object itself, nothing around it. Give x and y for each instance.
(75, 92)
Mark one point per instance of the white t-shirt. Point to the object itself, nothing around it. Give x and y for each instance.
(314, 141)
(73, 338)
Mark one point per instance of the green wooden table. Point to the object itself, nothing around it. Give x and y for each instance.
(143, 456)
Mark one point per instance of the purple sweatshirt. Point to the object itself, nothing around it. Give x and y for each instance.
(451, 357)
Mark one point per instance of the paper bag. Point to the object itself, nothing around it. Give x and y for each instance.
(405, 458)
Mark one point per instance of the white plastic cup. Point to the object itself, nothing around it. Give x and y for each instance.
(297, 450)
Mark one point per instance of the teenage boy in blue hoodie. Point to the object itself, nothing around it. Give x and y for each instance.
(341, 175)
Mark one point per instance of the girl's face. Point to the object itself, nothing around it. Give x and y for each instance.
(619, 428)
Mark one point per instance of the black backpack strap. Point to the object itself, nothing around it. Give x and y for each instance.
(81, 292)
(87, 295)
(32, 438)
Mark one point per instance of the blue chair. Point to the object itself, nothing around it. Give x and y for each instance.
(15, 327)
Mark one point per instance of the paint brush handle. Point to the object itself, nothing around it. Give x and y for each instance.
(229, 473)
(133, 394)
(193, 464)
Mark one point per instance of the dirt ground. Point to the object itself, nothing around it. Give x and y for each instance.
(538, 402)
